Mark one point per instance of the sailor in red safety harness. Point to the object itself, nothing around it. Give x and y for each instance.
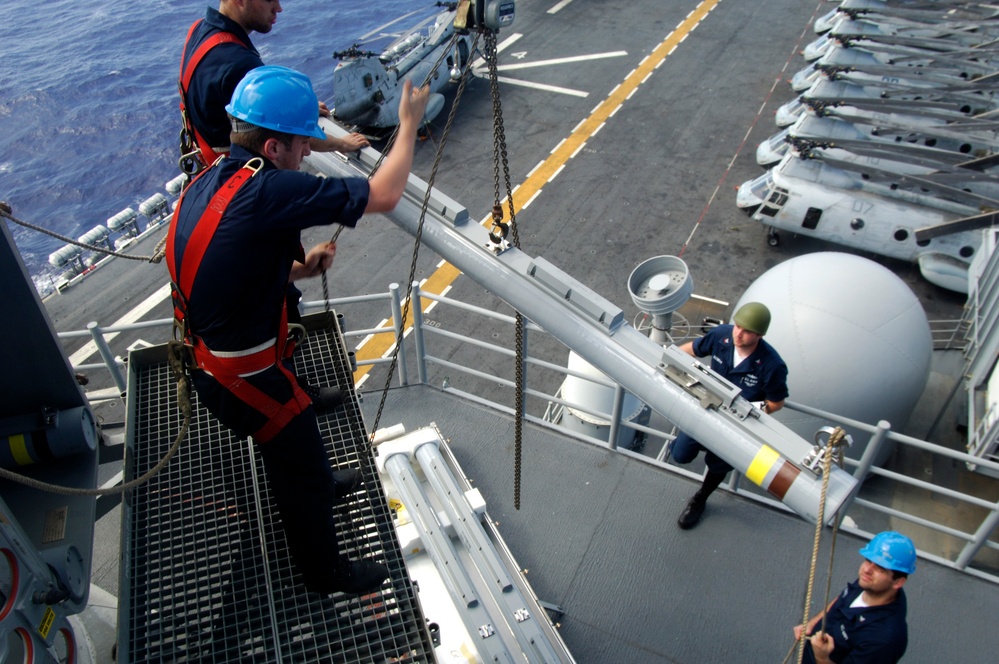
(232, 250)
(217, 55)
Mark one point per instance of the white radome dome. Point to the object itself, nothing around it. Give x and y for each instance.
(854, 336)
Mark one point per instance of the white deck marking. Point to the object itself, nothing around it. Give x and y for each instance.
(558, 5)
(562, 61)
(135, 314)
(542, 86)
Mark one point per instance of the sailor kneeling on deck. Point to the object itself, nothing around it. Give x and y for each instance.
(233, 250)
(739, 354)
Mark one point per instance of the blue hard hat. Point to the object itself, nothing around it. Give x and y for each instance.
(277, 98)
(891, 550)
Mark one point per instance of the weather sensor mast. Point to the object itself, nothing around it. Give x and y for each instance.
(659, 286)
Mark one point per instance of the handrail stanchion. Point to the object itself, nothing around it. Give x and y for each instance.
(102, 347)
(615, 423)
(399, 327)
(877, 439)
(870, 453)
(416, 305)
(982, 534)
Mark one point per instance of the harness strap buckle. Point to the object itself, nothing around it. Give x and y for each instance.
(254, 165)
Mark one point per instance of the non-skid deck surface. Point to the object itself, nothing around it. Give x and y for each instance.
(597, 532)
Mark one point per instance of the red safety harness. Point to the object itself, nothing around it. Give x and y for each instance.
(230, 368)
(196, 153)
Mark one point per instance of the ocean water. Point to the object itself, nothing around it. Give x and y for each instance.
(88, 100)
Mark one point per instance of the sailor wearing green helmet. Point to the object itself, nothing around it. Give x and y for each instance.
(866, 623)
(739, 354)
(753, 317)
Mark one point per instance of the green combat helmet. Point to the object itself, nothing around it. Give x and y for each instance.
(754, 317)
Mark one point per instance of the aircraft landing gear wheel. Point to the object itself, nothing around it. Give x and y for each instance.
(773, 239)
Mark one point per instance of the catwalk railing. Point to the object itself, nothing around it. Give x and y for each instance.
(482, 370)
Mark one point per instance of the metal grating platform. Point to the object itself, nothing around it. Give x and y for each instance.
(205, 575)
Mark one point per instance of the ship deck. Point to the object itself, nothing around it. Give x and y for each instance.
(596, 529)
(596, 532)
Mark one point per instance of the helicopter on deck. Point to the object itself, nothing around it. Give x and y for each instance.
(901, 205)
(971, 28)
(887, 11)
(892, 148)
(866, 122)
(367, 84)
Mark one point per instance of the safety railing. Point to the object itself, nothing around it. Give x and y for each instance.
(863, 507)
(469, 370)
(983, 440)
(949, 334)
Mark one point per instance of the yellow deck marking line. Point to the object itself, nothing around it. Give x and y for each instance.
(376, 346)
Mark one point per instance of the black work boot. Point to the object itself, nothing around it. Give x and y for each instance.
(356, 577)
(345, 482)
(691, 514)
(324, 399)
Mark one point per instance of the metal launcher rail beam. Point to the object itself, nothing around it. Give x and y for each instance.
(677, 386)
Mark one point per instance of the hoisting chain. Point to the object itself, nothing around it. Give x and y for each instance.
(500, 159)
(834, 452)
(7, 212)
(407, 301)
(329, 322)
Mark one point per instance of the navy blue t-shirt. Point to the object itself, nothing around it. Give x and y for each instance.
(236, 299)
(869, 635)
(216, 76)
(762, 375)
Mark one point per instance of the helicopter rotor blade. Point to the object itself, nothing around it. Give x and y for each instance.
(956, 226)
(363, 38)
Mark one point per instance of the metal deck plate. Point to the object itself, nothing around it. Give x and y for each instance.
(205, 573)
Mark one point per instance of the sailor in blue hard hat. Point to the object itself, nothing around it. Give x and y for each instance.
(866, 623)
(234, 249)
(892, 551)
